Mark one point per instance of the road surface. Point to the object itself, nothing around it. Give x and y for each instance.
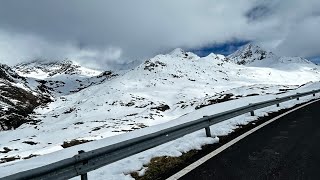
(288, 148)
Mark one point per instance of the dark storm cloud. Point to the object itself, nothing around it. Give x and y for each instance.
(260, 11)
(106, 32)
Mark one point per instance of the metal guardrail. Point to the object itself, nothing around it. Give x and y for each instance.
(84, 162)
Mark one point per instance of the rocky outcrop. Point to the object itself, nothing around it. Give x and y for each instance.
(17, 101)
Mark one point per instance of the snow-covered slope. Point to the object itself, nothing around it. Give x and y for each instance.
(160, 89)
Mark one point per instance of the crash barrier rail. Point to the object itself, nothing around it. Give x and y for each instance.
(84, 162)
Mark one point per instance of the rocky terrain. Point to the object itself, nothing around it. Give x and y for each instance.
(17, 99)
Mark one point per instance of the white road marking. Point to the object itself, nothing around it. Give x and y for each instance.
(225, 146)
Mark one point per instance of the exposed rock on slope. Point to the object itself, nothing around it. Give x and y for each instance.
(17, 100)
(6, 73)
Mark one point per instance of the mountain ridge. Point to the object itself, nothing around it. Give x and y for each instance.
(253, 55)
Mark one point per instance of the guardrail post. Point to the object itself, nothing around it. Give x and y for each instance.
(83, 176)
(314, 94)
(251, 112)
(278, 104)
(208, 132)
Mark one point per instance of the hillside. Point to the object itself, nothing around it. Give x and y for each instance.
(17, 99)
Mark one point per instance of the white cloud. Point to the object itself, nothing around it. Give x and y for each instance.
(97, 58)
(302, 39)
(15, 48)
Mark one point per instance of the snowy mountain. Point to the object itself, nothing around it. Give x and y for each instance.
(254, 55)
(62, 77)
(250, 53)
(17, 99)
(29, 85)
(46, 69)
(90, 105)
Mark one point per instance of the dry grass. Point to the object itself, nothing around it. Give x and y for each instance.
(74, 142)
(159, 166)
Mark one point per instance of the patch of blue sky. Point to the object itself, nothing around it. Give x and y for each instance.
(224, 48)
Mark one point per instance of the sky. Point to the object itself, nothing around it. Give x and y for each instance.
(221, 48)
(103, 32)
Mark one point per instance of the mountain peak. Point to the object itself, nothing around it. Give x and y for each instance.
(250, 53)
(178, 52)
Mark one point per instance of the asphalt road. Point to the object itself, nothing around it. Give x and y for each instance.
(288, 148)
